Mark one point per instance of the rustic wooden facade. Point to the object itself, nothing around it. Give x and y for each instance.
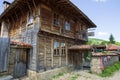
(50, 26)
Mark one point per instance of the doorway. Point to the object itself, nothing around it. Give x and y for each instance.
(22, 57)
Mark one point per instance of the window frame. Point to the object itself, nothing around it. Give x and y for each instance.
(63, 47)
(59, 49)
(67, 25)
(56, 47)
(56, 20)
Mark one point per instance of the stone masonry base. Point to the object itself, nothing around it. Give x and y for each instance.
(33, 75)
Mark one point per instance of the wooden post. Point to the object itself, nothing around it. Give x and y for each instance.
(45, 54)
(60, 58)
(66, 51)
(52, 21)
(52, 52)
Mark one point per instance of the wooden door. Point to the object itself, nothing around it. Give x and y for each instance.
(20, 67)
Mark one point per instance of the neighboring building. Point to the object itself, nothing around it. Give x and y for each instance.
(41, 31)
(104, 56)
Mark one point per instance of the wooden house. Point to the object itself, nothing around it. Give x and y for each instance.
(44, 30)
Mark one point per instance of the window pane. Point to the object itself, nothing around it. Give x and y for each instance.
(56, 48)
(67, 25)
(56, 19)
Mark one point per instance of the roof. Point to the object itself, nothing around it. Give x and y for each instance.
(99, 46)
(99, 54)
(19, 5)
(112, 47)
(20, 44)
(80, 47)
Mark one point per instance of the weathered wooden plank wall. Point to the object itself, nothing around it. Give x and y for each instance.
(46, 52)
(4, 53)
(20, 63)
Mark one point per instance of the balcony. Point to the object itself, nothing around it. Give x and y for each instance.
(82, 35)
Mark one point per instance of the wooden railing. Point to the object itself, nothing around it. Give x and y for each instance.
(82, 35)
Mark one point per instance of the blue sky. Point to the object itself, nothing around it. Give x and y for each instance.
(104, 13)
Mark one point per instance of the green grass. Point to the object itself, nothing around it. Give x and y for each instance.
(75, 77)
(108, 71)
(58, 75)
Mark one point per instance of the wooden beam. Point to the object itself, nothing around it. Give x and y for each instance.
(45, 54)
(66, 51)
(60, 58)
(52, 52)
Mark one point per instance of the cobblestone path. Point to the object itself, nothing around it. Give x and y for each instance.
(83, 75)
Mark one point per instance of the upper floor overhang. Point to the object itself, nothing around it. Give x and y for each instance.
(66, 6)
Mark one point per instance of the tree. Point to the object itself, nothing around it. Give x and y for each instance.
(111, 39)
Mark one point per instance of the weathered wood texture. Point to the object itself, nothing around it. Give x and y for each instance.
(36, 27)
(77, 28)
(75, 58)
(4, 54)
(47, 59)
(20, 63)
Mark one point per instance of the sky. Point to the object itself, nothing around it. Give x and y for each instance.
(104, 13)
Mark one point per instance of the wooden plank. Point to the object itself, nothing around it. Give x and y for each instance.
(66, 51)
(52, 52)
(45, 54)
(60, 59)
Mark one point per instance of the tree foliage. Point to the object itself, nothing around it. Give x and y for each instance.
(111, 39)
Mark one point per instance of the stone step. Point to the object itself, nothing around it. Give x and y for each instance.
(6, 77)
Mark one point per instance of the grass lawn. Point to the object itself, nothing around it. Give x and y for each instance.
(108, 71)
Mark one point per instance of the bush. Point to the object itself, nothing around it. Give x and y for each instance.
(108, 71)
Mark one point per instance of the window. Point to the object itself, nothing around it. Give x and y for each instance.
(30, 18)
(59, 48)
(67, 25)
(56, 48)
(56, 20)
(62, 49)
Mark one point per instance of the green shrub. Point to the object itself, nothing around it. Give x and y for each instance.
(108, 71)
(75, 77)
(59, 74)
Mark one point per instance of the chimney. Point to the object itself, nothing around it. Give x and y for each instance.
(6, 4)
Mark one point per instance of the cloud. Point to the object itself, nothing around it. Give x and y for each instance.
(102, 33)
(100, 0)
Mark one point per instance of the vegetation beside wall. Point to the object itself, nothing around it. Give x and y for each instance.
(108, 71)
(94, 41)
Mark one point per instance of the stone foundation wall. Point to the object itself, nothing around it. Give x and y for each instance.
(95, 65)
(47, 74)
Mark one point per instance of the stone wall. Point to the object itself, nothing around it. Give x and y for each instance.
(97, 65)
(111, 61)
(47, 74)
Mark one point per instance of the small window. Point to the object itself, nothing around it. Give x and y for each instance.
(30, 18)
(62, 49)
(56, 20)
(56, 48)
(67, 25)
